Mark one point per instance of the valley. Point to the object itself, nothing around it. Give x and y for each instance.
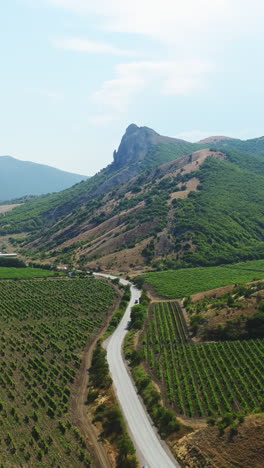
(184, 223)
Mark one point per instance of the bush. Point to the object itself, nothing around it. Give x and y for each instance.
(138, 314)
(12, 262)
(99, 370)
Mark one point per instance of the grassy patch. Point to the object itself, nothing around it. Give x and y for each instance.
(180, 283)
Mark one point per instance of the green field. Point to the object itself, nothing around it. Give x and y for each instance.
(45, 326)
(180, 283)
(204, 379)
(24, 273)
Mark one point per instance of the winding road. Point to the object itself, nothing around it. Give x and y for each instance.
(151, 450)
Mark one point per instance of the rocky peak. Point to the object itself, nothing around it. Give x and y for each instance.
(134, 145)
(131, 129)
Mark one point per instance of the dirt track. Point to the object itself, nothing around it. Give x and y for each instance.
(79, 409)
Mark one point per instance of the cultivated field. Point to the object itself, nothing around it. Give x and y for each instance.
(12, 273)
(45, 326)
(205, 379)
(180, 283)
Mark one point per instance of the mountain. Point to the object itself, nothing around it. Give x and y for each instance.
(253, 146)
(149, 150)
(214, 139)
(21, 178)
(162, 202)
(143, 148)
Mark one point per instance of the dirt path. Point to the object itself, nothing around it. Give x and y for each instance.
(79, 409)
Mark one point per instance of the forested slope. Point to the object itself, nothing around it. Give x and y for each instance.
(225, 219)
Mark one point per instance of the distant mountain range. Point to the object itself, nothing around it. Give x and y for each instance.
(162, 202)
(21, 178)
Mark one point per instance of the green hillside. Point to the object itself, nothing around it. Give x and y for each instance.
(252, 146)
(161, 202)
(42, 211)
(166, 152)
(224, 221)
(46, 210)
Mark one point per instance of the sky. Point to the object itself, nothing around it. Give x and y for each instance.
(76, 73)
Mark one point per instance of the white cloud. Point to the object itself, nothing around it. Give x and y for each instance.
(171, 78)
(193, 35)
(192, 23)
(84, 45)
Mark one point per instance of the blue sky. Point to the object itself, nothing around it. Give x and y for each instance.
(76, 73)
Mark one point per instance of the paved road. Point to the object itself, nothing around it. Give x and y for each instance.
(151, 451)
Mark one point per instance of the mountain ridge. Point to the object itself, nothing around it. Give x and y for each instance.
(214, 139)
(157, 204)
(23, 178)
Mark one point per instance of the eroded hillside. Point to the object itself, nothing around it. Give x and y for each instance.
(162, 202)
(134, 223)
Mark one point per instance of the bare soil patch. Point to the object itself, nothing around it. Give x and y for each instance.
(206, 448)
(218, 313)
(7, 208)
(214, 139)
(191, 186)
(95, 234)
(213, 292)
(122, 261)
(199, 157)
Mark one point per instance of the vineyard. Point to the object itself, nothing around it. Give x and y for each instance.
(45, 326)
(25, 273)
(205, 379)
(180, 283)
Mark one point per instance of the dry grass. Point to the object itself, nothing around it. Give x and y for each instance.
(7, 208)
(191, 186)
(122, 261)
